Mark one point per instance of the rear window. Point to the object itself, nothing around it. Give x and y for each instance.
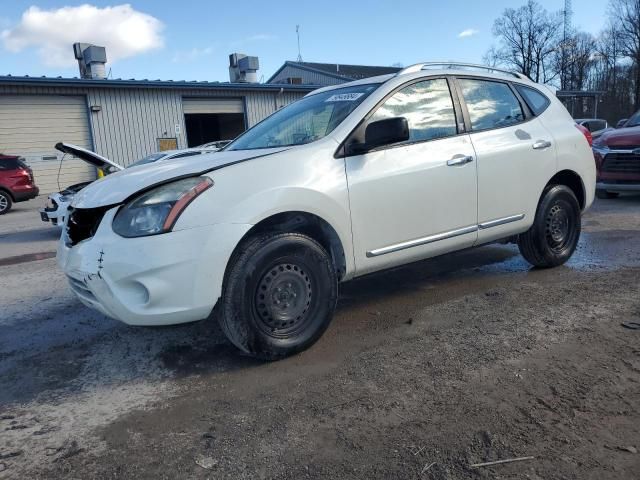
(537, 102)
(11, 164)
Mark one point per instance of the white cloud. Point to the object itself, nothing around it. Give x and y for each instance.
(469, 32)
(125, 32)
(184, 56)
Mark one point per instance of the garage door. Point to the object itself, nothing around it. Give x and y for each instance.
(30, 126)
(212, 105)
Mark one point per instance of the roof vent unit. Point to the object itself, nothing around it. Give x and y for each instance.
(91, 60)
(243, 68)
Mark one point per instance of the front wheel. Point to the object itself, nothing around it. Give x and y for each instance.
(279, 295)
(5, 202)
(555, 232)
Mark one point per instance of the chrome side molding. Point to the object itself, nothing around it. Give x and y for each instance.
(443, 236)
(500, 221)
(422, 241)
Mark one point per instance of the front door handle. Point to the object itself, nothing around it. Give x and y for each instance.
(541, 144)
(458, 160)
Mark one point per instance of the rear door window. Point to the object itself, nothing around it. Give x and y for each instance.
(490, 104)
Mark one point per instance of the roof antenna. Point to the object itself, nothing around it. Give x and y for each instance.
(298, 35)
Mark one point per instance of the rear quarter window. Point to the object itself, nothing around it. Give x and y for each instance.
(537, 101)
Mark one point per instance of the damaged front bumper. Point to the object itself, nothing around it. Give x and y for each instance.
(156, 280)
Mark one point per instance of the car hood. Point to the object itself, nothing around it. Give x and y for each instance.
(117, 187)
(86, 155)
(621, 137)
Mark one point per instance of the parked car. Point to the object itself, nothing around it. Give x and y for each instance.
(617, 156)
(596, 126)
(350, 180)
(632, 121)
(57, 204)
(16, 182)
(218, 145)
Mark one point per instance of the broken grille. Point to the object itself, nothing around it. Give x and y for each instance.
(83, 223)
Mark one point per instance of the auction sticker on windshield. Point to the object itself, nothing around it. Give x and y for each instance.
(344, 97)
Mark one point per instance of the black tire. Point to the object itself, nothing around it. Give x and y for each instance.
(555, 232)
(606, 194)
(279, 295)
(5, 202)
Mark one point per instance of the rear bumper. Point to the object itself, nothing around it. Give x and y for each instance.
(26, 194)
(618, 187)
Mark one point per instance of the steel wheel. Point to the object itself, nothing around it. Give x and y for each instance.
(283, 298)
(558, 228)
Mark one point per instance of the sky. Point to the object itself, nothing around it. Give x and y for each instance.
(191, 39)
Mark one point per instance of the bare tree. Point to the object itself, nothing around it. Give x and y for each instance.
(625, 14)
(531, 41)
(579, 58)
(528, 41)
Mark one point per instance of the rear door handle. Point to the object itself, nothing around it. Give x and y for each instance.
(458, 160)
(541, 144)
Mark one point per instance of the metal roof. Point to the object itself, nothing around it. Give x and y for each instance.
(337, 70)
(133, 83)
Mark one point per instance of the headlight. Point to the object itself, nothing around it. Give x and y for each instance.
(65, 198)
(157, 210)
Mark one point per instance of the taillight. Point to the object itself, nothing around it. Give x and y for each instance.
(587, 134)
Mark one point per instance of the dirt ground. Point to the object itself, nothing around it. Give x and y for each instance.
(426, 370)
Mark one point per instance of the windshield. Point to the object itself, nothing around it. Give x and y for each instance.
(304, 121)
(154, 157)
(634, 121)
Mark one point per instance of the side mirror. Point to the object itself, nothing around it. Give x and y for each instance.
(386, 131)
(621, 123)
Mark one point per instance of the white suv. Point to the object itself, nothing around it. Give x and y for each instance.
(349, 180)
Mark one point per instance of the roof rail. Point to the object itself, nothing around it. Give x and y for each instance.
(425, 65)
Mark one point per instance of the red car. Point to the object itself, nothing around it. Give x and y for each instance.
(617, 155)
(16, 182)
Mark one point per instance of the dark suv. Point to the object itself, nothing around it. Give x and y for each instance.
(16, 182)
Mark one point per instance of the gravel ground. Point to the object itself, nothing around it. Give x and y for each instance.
(426, 370)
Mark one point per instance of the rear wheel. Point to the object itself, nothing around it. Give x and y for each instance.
(279, 295)
(555, 232)
(606, 194)
(5, 202)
